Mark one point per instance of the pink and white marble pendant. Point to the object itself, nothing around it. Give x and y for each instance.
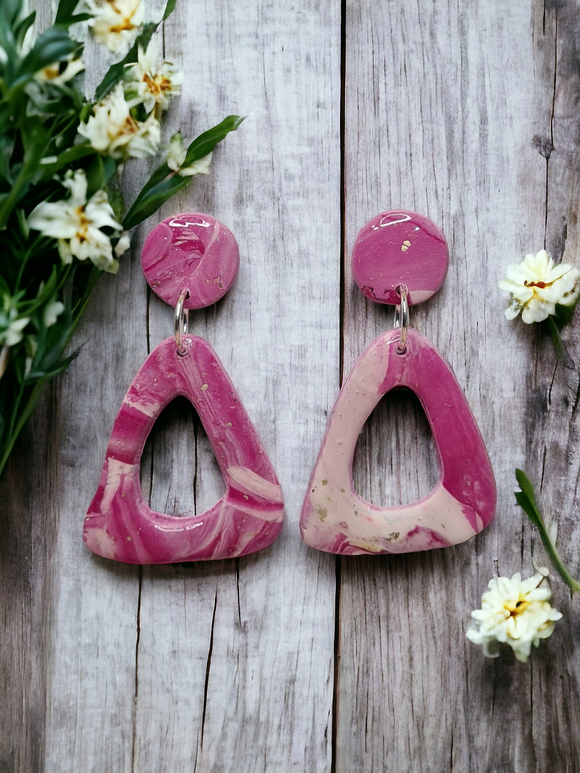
(119, 524)
(334, 517)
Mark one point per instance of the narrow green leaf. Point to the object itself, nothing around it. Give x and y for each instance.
(526, 486)
(169, 9)
(564, 314)
(52, 46)
(526, 499)
(562, 354)
(207, 141)
(23, 27)
(158, 175)
(154, 199)
(65, 15)
(66, 158)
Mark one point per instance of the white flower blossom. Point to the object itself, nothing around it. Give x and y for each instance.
(176, 156)
(113, 130)
(116, 23)
(51, 312)
(123, 244)
(156, 81)
(536, 285)
(515, 613)
(76, 223)
(52, 73)
(13, 334)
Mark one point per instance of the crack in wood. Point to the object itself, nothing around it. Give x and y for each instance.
(136, 691)
(207, 670)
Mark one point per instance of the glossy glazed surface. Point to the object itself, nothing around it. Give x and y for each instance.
(399, 247)
(120, 525)
(192, 251)
(336, 519)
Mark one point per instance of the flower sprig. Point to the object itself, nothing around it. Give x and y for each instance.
(541, 290)
(62, 216)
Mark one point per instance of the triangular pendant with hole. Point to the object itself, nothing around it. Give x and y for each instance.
(120, 525)
(336, 519)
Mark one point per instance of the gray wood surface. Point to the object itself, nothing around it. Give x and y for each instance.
(294, 660)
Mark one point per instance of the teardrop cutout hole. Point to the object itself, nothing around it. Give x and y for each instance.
(179, 472)
(395, 460)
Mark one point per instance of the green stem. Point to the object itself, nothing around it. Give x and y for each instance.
(573, 584)
(25, 415)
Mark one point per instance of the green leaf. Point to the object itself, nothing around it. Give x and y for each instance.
(564, 314)
(52, 46)
(164, 183)
(155, 198)
(66, 158)
(56, 370)
(169, 9)
(526, 499)
(65, 15)
(207, 141)
(562, 354)
(23, 27)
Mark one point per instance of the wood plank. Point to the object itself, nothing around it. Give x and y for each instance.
(443, 101)
(235, 659)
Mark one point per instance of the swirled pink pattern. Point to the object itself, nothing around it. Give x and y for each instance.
(191, 251)
(336, 519)
(120, 525)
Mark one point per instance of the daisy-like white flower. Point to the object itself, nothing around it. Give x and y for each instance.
(76, 223)
(536, 286)
(52, 73)
(176, 154)
(113, 130)
(116, 23)
(156, 80)
(515, 613)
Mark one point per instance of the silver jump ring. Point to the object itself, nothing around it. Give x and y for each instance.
(402, 317)
(181, 322)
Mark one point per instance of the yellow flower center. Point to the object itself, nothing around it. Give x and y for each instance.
(516, 608)
(158, 84)
(84, 223)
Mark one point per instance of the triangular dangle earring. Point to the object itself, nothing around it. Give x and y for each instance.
(400, 258)
(190, 261)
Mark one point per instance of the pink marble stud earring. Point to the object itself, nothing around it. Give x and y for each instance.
(190, 261)
(400, 258)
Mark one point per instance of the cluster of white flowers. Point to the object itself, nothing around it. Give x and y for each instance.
(76, 224)
(516, 613)
(116, 23)
(114, 129)
(536, 286)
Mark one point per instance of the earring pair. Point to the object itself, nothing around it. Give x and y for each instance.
(191, 261)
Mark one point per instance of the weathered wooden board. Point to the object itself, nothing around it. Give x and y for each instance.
(293, 660)
(448, 107)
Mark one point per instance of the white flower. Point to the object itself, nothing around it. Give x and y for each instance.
(537, 285)
(515, 613)
(76, 223)
(113, 130)
(52, 74)
(13, 334)
(176, 156)
(123, 244)
(156, 81)
(116, 22)
(51, 312)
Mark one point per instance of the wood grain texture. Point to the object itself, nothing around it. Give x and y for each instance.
(447, 108)
(467, 113)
